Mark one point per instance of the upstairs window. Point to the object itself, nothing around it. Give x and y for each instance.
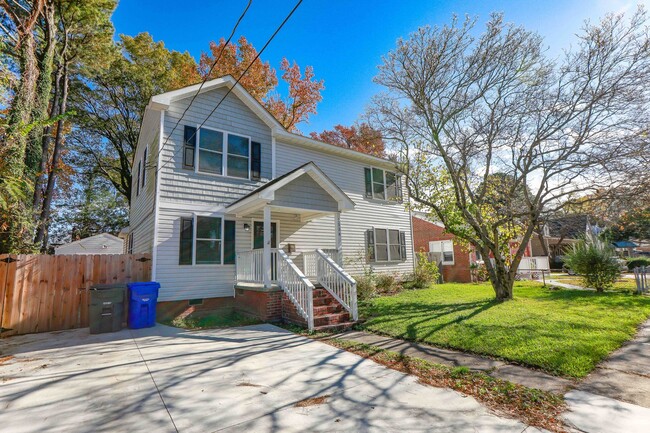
(210, 151)
(238, 156)
(382, 184)
(189, 147)
(222, 153)
(386, 245)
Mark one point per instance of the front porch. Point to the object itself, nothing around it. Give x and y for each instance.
(291, 252)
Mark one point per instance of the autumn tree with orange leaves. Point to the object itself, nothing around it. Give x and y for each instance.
(361, 137)
(261, 81)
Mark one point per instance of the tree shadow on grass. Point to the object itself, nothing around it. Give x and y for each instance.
(417, 314)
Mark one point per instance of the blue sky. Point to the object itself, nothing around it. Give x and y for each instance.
(343, 40)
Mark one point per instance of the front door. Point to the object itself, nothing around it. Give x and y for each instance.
(258, 235)
(258, 242)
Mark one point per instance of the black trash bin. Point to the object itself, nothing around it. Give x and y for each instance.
(106, 308)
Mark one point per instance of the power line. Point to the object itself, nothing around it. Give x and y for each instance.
(237, 81)
(207, 76)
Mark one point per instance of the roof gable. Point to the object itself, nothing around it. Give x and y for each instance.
(164, 100)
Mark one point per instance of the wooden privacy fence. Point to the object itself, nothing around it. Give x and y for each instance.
(40, 293)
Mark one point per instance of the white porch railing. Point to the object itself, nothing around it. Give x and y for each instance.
(309, 259)
(337, 282)
(297, 287)
(250, 266)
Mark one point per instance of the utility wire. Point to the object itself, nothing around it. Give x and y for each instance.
(207, 77)
(236, 82)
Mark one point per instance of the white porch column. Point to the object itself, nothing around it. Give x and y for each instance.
(338, 237)
(266, 255)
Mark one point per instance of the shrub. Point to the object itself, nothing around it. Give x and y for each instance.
(366, 284)
(479, 272)
(425, 273)
(386, 284)
(595, 261)
(637, 262)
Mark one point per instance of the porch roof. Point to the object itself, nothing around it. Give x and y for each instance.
(266, 194)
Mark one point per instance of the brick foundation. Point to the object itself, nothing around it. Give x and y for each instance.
(265, 304)
(268, 305)
(168, 310)
(290, 313)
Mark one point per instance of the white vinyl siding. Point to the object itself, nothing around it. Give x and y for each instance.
(348, 174)
(141, 212)
(194, 189)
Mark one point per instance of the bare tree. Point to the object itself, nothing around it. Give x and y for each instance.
(492, 134)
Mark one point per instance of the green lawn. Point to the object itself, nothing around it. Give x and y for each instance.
(565, 332)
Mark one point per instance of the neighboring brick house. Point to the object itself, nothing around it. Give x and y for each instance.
(456, 259)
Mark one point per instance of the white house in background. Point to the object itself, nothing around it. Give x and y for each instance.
(104, 243)
(238, 208)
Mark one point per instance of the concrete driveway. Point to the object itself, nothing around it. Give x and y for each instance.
(242, 379)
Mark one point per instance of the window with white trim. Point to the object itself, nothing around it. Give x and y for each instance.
(210, 151)
(445, 249)
(386, 245)
(218, 152)
(382, 184)
(206, 240)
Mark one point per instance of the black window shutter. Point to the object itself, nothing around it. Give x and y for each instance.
(189, 146)
(402, 245)
(144, 167)
(186, 244)
(229, 243)
(398, 185)
(370, 244)
(137, 181)
(256, 161)
(368, 176)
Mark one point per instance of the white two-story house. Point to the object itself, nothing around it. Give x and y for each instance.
(237, 212)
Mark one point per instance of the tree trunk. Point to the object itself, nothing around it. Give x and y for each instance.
(500, 277)
(43, 92)
(45, 152)
(56, 154)
(20, 116)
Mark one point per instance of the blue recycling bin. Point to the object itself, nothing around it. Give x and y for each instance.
(142, 304)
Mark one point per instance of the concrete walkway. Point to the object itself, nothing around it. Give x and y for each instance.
(615, 397)
(562, 285)
(246, 379)
(524, 376)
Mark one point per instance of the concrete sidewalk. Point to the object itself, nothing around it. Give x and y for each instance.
(240, 379)
(615, 397)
